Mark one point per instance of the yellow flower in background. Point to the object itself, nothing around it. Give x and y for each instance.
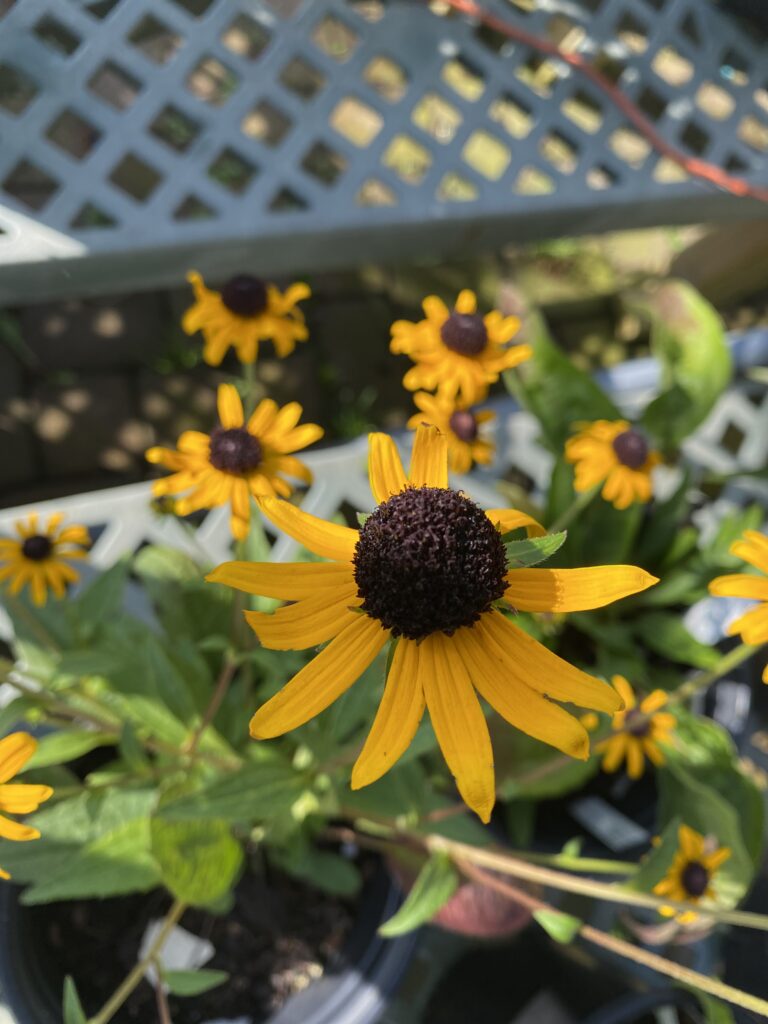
(39, 559)
(753, 625)
(639, 731)
(426, 569)
(15, 751)
(692, 872)
(244, 313)
(237, 459)
(461, 427)
(616, 453)
(457, 351)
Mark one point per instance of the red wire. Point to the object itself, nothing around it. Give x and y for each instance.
(696, 168)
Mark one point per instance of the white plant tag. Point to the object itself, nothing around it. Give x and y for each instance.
(610, 826)
(182, 951)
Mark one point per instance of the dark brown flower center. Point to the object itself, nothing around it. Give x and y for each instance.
(428, 560)
(464, 425)
(37, 548)
(695, 878)
(244, 295)
(631, 448)
(636, 723)
(464, 333)
(234, 450)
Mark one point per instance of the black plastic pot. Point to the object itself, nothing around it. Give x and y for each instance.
(357, 992)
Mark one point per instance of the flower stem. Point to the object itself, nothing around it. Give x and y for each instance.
(581, 502)
(124, 990)
(249, 388)
(702, 680)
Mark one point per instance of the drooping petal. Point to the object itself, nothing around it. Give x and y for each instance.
(625, 691)
(615, 749)
(305, 624)
(740, 585)
(429, 461)
(518, 656)
(287, 581)
(385, 469)
(753, 625)
(753, 548)
(397, 718)
(506, 519)
(322, 681)
(330, 540)
(23, 799)
(15, 751)
(16, 831)
(520, 705)
(574, 590)
(459, 723)
(635, 759)
(229, 406)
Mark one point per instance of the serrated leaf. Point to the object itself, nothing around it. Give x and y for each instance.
(199, 860)
(72, 1008)
(561, 927)
(255, 793)
(67, 745)
(436, 883)
(532, 550)
(193, 983)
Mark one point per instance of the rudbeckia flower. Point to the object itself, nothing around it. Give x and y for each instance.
(692, 872)
(427, 571)
(753, 625)
(617, 454)
(15, 751)
(457, 351)
(237, 459)
(40, 557)
(244, 313)
(461, 428)
(638, 731)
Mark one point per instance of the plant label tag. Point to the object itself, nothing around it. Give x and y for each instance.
(614, 829)
(182, 950)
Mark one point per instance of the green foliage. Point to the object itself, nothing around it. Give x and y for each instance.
(324, 869)
(563, 928)
(436, 883)
(67, 745)
(193, 983)
(664, 633)
(199, 861)
(72, 1009)
(254, 793)
(532, 550)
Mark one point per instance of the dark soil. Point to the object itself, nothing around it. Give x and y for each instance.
(279, 936)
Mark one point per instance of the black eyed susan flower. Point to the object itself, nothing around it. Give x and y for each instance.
(616, 453)
(753, 625)
(461, 427)
(244, 313)
(692, 873)
(427, 570)
(237, 459)
(39, 558)
(457, 351)
(638, 731)
(15, 751)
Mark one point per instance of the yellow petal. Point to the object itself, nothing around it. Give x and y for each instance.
(521, 706)
(15, 751)
(635, 759)
(615, 749)
(574, 590)
(466, 303)
(4, 874)
(625, 691)
(506, 519)
(714, 860)
(287, 581)
(306, 623)
(429, 461)
(652, 752)
(23, 799)
(459, 723)
(385, 470)
(653, 702)
(230, 407)
(16, 831)
(320, 682)
(753, 625)
(524, 659)
(753, 548)
(397, 718)
(263, 417)
(740, 585)
(326, 539)
(691, 842)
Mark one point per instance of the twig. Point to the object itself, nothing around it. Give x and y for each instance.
(163, 1009)
(218, 695)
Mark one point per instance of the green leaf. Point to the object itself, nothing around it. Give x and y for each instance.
(532, 550)
(522, 765)
(186, 604)
(561, 927)
(436, 883)
(658, 860)
(193, 983)
(362, 517)
(66, 745)
(321, 868)
(256, 793)
(688, 339)
(554, 390)
(199, 860)
(103, 599)
(665, 634)
(715, 1011)
(72, 1008)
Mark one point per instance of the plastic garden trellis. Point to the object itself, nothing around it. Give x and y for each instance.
(140, 137)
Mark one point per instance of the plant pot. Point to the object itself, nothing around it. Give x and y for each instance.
(354, 990)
